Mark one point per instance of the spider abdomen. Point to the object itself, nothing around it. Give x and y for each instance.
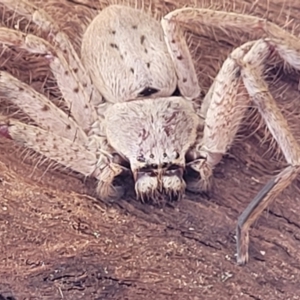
(125, 53)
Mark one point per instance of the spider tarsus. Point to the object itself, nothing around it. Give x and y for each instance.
(200, 186)
(242, 237)
(108, 192)
(242, 258)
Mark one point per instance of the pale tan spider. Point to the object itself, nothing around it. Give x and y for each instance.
(124, 116)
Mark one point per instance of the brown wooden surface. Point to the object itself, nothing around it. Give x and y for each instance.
(59, 242)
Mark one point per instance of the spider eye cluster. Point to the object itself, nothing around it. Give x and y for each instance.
(141, 158)
(165, 167)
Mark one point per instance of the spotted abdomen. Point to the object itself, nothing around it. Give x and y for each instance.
(125, 53)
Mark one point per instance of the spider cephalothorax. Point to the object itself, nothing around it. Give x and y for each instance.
(154, 135)
(122, 115)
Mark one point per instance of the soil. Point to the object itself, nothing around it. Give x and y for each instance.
(58, 241)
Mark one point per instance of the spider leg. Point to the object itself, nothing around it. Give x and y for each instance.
(61, 150)
(223, 108)
(243, 72)
(76, 156)
(78, 92)
(180, 54)
(70, 146)
(72, 79)
(251, 73)
(40, 109)
(226, 101)
(228, 21)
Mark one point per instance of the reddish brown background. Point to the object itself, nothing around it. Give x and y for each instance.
(59, 242)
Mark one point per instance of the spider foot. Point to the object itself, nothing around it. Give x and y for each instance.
(108, 189)
(200, 177)
(109, 192)
(199, 186)
(243, 258)
(242, 245)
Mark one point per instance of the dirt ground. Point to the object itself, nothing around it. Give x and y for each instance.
(59, 242)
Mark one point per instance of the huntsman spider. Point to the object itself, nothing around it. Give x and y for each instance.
(124, 115)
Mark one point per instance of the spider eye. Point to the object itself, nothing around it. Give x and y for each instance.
(148, 91)
(165, 165)
(141, 158)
